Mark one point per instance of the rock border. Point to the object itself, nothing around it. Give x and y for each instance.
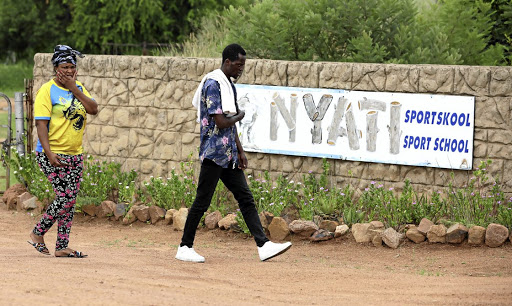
(278, 228)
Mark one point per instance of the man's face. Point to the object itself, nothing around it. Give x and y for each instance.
(235, 68)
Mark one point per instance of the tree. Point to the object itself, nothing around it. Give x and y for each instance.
(388, 31)
(468, 25)
(320, 29)
(31, 26)
(501, 32)
(98, 22)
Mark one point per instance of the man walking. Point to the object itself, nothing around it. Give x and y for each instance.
(222, 156)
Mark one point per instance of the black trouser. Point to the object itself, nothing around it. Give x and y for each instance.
(234, 180)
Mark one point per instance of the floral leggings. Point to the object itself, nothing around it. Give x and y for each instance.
(66, 184)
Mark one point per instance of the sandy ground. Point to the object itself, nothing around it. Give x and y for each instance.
(135, 265)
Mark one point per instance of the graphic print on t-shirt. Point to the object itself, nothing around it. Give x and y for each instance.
(75, 112)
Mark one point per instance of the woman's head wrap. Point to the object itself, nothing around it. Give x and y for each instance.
(64, 54)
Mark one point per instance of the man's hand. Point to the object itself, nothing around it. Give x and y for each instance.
(242, 161)
(222, 121)
(240, 115)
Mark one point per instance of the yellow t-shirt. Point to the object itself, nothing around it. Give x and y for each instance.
(67, 117)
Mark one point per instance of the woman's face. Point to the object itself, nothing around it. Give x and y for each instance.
(67, 68)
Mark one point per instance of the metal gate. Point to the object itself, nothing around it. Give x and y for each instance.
(24, 104)
(6, 144)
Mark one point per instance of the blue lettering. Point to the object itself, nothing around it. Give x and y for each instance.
(416, 142)
(419, 142)
(446, 145)
(413, 115)
(461, 148)
(420, 116)
(407, 118)
(433, 116)
(427, 117)
(453, 146)
(453, 119)
(461, 123)
(436, 144)
(445, 118)
(439, 118)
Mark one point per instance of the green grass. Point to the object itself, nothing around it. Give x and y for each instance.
(11, 77)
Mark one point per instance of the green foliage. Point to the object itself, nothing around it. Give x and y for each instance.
(87, 200)
(352, 215)
(501, 32)
(176, 191)
(27, 172)
(478, 203)
(393, 209)
(468, 24)
(363, 50)
(208, 41)
(471, 32)
(241, 222)
(272, 197)
(481, 202)
(37, 26)
(95, 23)
(105, 180)
(32, 26)
(329, 30)
(221, 200)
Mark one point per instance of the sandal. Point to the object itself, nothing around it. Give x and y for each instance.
(40, 247)
(74, 254)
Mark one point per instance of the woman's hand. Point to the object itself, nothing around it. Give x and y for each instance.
(56, 160)
(67, 81)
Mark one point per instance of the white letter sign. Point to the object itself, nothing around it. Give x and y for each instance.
(383, 127)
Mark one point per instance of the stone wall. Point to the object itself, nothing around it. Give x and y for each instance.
(146, 120)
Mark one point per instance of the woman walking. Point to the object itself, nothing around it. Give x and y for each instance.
(60, 112)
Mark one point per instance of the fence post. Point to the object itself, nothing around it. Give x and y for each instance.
(144, 50)
(20, 122)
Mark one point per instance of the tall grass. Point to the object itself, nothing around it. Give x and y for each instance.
(208, 42)
(12, 75)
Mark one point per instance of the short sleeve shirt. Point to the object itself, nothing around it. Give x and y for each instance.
(218, 145)
(67, 117)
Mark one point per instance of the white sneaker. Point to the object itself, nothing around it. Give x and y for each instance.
(271, 249)
(188, 254)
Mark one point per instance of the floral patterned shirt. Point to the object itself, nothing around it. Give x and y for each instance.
(218, 145)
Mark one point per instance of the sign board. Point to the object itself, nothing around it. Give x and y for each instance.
(382, 127)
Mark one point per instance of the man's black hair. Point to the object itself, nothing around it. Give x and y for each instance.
(231, 52)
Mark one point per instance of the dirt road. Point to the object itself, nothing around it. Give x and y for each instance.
(135, 265)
